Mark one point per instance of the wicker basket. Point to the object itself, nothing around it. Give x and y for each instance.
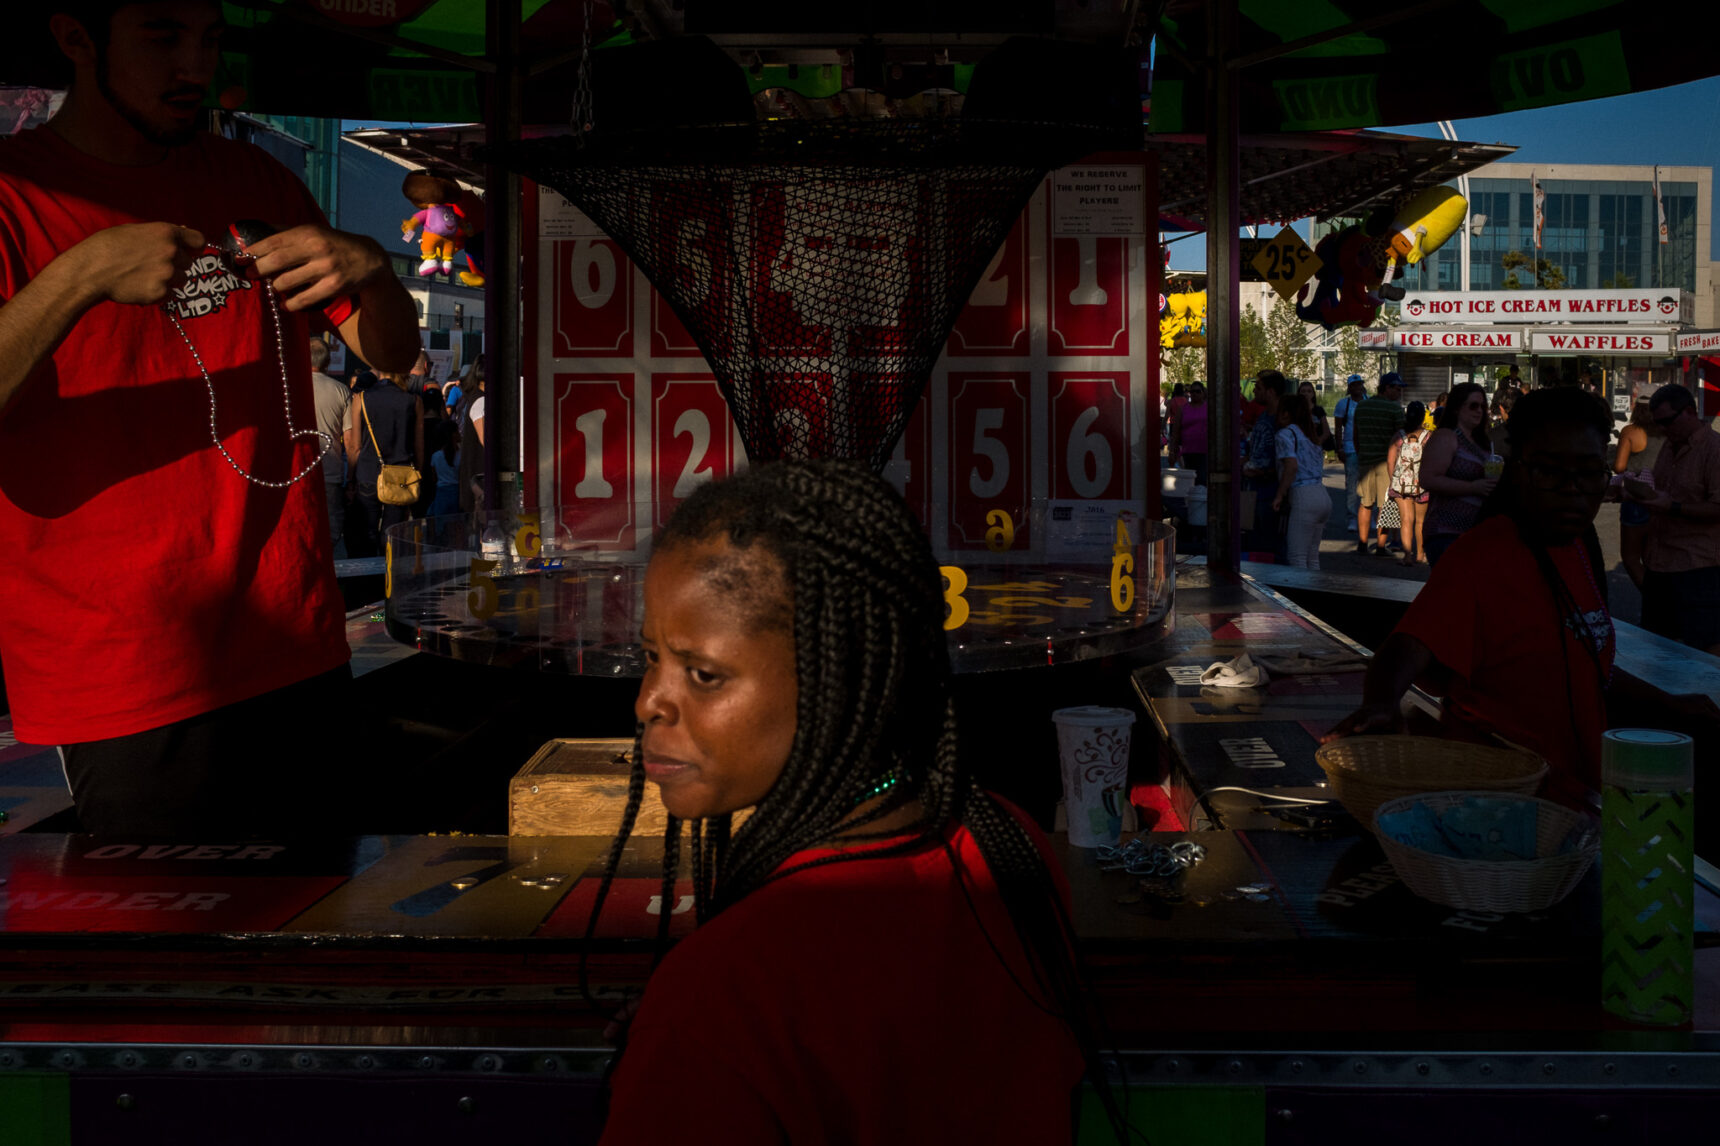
(1496, 885)
(1366, 771)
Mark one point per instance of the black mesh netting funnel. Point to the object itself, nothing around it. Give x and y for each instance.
(819, 264)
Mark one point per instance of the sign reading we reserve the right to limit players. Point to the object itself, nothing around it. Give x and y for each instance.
(1098, 200)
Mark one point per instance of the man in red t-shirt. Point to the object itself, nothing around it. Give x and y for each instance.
(1531, 664)
(172, 623)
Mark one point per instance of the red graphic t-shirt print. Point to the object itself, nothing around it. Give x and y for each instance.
(208, 282)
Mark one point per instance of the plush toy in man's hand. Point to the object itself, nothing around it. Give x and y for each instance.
(439, 220)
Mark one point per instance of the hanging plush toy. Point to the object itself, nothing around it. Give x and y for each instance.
(1183, 321)
(439, 220)
(1359, 263)
(1345, 284)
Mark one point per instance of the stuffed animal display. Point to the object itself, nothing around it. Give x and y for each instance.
(1358, 263)
(441, 225)
(1183, 321)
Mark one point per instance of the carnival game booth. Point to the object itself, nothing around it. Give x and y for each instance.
(444, 986)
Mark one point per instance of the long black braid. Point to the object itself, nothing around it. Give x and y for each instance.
(873, 676)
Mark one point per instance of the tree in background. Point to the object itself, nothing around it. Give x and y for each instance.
(1351, 358)
(1183, 364)
(1287, 348)
(1255, 355)
(1541, 274)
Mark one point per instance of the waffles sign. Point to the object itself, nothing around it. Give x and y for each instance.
(1596, 342)
(1518, 306)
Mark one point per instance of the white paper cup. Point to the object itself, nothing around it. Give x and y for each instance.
(1093, 743)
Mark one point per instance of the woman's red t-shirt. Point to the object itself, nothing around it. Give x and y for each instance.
(858, 1002)
(1516, 667)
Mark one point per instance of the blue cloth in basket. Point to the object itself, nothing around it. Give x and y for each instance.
(1478, 827)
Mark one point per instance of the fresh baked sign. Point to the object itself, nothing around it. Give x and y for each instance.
(1698, 341)
(1661, 305)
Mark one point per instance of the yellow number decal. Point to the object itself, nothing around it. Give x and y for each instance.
(1037, 602)
(1122, 585)
(1123, 544)
(483, 598)
(528, 538)
(1000, 619)
(1001, 535)
(957, 583)
(388, 570)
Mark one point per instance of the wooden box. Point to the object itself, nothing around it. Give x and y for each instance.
(578, 788)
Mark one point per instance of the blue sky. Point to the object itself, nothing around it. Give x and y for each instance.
(1676, 126)
(1672, 126)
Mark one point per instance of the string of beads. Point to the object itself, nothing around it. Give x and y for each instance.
(293, 432)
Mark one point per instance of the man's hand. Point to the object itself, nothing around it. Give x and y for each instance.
(1368, 720)
(1660, 502)
(136, 264)
(310, 266)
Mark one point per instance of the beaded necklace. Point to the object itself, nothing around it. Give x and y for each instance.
(293, 432)
(884, 783)
(1593, 639)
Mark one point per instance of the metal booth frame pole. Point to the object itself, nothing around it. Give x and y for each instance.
(1223, 286)
(502, 305)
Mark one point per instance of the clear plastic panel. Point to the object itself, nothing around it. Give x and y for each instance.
(503, 589)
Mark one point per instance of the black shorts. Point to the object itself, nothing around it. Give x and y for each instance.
(1683, 606)
(283, 764)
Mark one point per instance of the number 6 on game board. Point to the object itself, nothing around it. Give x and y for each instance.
(1122, 565)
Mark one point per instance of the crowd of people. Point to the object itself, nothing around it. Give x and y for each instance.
(396, 419)
(1419, 477)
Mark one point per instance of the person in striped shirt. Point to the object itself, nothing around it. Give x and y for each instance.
(1379, 421)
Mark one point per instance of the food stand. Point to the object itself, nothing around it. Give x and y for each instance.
(431, 985)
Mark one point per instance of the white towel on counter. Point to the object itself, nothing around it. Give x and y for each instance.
(1239, 673)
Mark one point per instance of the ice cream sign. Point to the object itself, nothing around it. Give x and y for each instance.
(1661, 305)
(1456, 340)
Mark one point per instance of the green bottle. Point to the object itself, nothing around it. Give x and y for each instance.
(1648, 888)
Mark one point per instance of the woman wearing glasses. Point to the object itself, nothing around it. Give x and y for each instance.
(1532, 666)
(1454, 469)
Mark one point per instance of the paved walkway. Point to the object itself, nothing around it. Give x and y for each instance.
(1338, 552)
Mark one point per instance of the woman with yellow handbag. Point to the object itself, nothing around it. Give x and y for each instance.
(385, 448)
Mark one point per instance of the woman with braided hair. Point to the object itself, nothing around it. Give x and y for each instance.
(1532, 666)
(883, 953)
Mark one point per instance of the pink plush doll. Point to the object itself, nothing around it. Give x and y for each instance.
(438, 218)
